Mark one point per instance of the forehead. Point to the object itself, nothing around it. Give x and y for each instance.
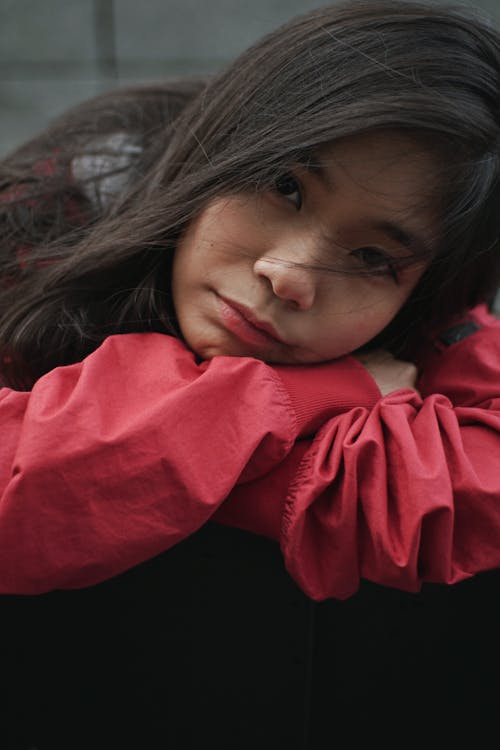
(389, 167)
(386, 183)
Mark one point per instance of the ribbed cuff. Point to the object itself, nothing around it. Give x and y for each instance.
(319, 392)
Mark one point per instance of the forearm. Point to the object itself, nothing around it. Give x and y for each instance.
(405, 492)
(112, 460)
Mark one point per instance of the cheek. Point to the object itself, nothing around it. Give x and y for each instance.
(366, 314)
(190, 260)
(374, 320)
(370, 326)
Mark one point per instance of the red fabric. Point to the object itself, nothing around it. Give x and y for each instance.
(113, 460)
(410, 490)
(406, 492)
(108, 462)
(352, 386)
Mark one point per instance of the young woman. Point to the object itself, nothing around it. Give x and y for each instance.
(274, 246)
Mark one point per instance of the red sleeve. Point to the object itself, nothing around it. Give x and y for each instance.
(258, 506)
(408, 491)
(110, 461)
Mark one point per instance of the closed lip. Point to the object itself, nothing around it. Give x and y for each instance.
(251, 318)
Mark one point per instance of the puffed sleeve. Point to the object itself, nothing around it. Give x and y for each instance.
(108, 462)
(408, 491)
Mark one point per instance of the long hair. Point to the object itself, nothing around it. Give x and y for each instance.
(427, 70)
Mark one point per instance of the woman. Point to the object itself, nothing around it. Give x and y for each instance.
(394, 489)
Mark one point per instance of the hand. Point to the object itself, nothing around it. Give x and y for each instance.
(389, 373)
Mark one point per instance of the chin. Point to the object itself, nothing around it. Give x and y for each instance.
(210, 350)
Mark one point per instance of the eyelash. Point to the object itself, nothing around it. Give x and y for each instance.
(283, 185)
(286, 185)
(386, 265)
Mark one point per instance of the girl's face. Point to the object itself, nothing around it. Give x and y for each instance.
(316, 267)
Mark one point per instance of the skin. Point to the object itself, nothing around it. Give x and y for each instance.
(312, 262)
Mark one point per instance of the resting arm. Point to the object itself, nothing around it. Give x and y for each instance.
(110, 461)
(405, 492)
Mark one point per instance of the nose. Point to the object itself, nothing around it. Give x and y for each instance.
(289, 281)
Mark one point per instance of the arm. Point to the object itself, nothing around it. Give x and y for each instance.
(408, 491)
(89, 458)
(108, 462)
(55, 531)
(405, 492)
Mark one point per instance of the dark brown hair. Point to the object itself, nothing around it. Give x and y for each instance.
(428, 70)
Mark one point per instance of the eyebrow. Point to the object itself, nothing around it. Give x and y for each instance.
(418, 245)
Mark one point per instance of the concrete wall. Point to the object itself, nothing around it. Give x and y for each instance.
(54, 53)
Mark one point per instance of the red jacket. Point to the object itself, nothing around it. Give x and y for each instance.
(108, 462)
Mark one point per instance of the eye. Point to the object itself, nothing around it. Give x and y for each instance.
(376, 261)
(289, 187)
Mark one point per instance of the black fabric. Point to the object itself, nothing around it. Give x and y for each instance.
(458, 333)
(212, 645)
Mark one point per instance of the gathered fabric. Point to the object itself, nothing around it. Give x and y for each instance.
(110, 461)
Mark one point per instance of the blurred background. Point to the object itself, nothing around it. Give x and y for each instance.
(55, 53)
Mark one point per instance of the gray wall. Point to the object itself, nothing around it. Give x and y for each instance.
(54, 53)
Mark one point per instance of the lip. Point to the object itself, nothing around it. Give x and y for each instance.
(246, 325)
